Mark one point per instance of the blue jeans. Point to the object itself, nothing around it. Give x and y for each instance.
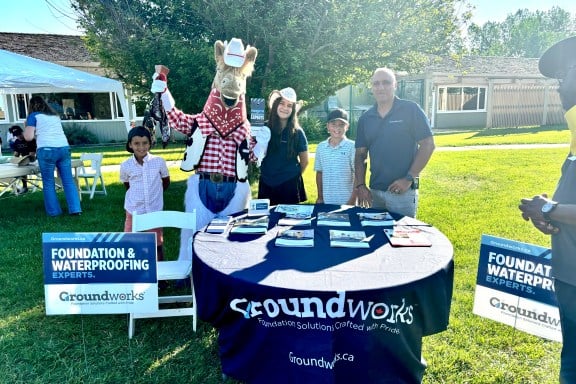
(50, 159)
(216, 196)
(566, 296)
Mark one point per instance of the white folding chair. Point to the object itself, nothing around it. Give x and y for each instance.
(92, 175)
(169, 270)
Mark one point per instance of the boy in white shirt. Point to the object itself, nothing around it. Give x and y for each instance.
(146, 177)
(334, 163)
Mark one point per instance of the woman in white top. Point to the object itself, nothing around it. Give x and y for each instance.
(53, 153)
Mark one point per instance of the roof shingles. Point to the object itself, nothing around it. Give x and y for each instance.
(52, 48)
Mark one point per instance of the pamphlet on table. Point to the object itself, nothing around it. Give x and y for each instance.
(349, 239)
(250, 225)
(333, 219)
(295, 221)
(295, 215)
(219, 224)
(295, 238)
(404, 236)
(295, 210)
(376, 219)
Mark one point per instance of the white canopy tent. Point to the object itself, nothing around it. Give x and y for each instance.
(23, 74)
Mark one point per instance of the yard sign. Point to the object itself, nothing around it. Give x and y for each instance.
(515, 287)
(100, 273)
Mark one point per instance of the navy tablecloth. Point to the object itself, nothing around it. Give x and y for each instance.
(321, 314)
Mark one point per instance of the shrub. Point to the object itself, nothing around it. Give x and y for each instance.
(315, 128)
(78, 135)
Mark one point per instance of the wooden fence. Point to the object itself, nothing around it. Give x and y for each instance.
(517, 105)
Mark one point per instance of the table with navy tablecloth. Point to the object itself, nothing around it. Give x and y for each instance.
(322, 314)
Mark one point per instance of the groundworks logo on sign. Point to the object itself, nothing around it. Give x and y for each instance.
(100, 297)
(336, 308)
(542, 317)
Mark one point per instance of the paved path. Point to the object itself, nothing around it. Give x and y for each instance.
(176, 163)
(501, 147)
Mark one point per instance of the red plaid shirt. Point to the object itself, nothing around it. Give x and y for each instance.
(231, 129)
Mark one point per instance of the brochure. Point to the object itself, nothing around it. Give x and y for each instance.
(219, 224)
(403, 236)
(250, 225)
(376, 219)
(295, 210)
(333, 219)
(411, 222)
(295, 215)
(295, 221)
(349, 239)
(295, 238)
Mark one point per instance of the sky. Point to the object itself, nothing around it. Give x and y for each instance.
(497, 10)
(56, 16)
(38, 16)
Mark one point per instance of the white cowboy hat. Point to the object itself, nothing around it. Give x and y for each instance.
(286, 93)
(234, 55)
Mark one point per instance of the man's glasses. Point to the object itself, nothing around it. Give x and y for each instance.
(382, 83)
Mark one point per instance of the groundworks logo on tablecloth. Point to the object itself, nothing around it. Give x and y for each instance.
(336, 308)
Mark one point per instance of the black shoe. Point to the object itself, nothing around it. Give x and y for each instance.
(76, 214)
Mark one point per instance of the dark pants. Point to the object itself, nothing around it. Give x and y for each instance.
(289, 192)
(566, 296)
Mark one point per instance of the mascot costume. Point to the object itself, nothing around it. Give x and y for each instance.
(219, 146)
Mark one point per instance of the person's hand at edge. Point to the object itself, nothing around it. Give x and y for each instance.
(532, 208)
(160, 79)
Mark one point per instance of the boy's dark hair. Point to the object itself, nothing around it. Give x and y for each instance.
(137, 131)
(15, 130)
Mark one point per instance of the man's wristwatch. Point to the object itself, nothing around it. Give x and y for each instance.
(547, 208)
(409, 177)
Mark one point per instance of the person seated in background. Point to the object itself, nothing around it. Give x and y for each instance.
(23, 148)
(11, 137)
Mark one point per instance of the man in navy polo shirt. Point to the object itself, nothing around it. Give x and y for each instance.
(396, 134)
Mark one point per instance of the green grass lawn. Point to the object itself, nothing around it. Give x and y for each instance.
(463, 193)
(522, 135)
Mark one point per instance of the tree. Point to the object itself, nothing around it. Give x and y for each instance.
(522, 34)
(314, 46)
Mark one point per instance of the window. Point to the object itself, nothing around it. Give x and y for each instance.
(456, 99)
(118, 107)
(3, 113)
(75, 106)
(21, 105)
